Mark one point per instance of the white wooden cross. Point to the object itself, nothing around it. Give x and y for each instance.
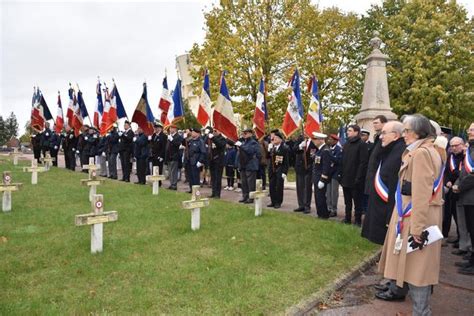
(155, 179)
(195, 205)
(258, 195)
(47, 161)
(15, 155)
(92, 182)
(97, 218)
(34, 169)
(7, 187)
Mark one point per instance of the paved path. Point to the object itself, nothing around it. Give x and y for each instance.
(453, 296)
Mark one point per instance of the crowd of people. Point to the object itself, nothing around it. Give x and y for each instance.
(395, 187)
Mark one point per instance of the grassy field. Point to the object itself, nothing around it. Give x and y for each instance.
(152, 261)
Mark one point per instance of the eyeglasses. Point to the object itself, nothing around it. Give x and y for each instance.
(407, 130)
(455, 145)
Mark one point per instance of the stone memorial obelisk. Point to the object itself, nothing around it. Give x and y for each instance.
(375, 100)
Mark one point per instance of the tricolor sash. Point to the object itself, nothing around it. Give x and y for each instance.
(452, 164)
(380, 187)
(468, 163)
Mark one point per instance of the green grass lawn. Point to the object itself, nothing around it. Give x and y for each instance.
(152, 261)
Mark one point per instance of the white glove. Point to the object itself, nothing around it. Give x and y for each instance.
(270, 147)
(86, 138)
(47, 134)
(160, 159)
(77, 151)
(135, 138)
(95, 136)
(199, 165)
(210, 136)
(103, 154)
(120, 133)
(170, 138)
(185, 135)
(71, 136)
(74, 149)
(283, 176)
(181, 147)
(213, 146)
(33, 135)
(206, 131)
(302, 144)
(320, 184)
(238, 143)
(149, 137)
(55, 147)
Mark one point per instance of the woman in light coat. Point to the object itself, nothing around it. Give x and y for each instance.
(421, 168)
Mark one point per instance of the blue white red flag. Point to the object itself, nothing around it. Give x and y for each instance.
(176, 110)
(204, 111)
(261, 114)
(99, 107)
(143, 115)
(165, 101)
(59, 117)
(314, 116)
(223, 116)
(294, 111)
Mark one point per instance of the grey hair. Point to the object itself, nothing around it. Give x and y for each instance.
(420, 125)
(456, 138)
(397, 127)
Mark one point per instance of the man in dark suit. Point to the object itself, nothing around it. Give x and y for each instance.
(125, 150)
(173, 155)
(46, 139)
(278, 169)
(195, 157)
(158, 147)
(321, 173)
(249, 154)
(140, 151)
(332, 190)
(112, 151)
(69, 143)
(304, 150)
(216, 152)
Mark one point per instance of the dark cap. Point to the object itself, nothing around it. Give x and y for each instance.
(334, 136)
(274, 131)
(278, 134)
(248, 130)
(446, 130)
(127, 122)
(196, 130)
(210, 129)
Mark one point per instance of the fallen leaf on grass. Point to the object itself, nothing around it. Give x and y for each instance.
(322, 306)
(3, 239)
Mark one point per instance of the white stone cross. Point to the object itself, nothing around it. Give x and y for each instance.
(92, 182)
(7, 187)
(97, 219)
(15, 155)
(155, 179)
(47, 161)
(195, 205)
(34, 169)
(258, 195)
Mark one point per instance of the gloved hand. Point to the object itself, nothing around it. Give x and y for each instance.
(270, 147)
(149, 137)
(199, 165)
(181, 147)
(206, 131)
(238, 143)
(77, 151)
(103, 154)
(283, 176)
(120, 133)
(302, 144)
(33, 135)
(185, 135)
(71, 136)
(47, 134)
(210, 135)
(170, 138)
(55, 147)
(160, 159)
(95, 136)
(135, 138)
(320, 184)
(86, 138)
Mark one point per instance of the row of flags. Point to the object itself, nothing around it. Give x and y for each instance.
(110, 109)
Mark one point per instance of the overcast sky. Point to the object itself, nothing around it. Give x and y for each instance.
(52, 43)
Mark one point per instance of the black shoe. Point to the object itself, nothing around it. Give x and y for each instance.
(453, 241)
(463, 264)
(389, 296)
(243, 200)
(346, 221)
(467, 256)
(249, 201)
(332, 214)
(299, 209)
(271, 205)
(467, 271)
(381, 287)
(211, 196)
(189, 191)
(307, 212)
(456, 245)
(277, 206)
(359, 224)
(459, 252)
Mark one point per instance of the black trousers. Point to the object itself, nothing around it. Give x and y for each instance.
(112, 158)
(72, 160)
(248, 179)
(54, 154)
(304, 192)
(37, 154)
(276, 188)
(321, 201)
(353, 195)
(216, 178)
(469, 212)
(194, 175)
(449, 212)
(84, 160)
(126, 165)
(230, 174)
(141, 170)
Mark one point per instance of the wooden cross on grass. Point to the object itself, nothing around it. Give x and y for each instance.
(7, 187)
(257, 195)
(47, 161)
(15, 154)
(96, 219)
(195, 205)
(155, 179)
(92, 182)
(34, 169)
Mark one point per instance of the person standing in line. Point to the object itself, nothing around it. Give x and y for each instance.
(158, 147)
(173, 155)
(249, 156)
(54, 144)
(140, 150)
(321, 173)
(196, 155)
(112, 151)
(278, 170)
(332, 191)
(125, 150)
(304, 149)
(216, 160)
(229, 162)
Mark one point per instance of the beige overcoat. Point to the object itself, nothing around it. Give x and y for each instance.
(421, 166)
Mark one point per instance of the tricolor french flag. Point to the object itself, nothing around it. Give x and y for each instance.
(59, 117)
(223, 115)
(105, 125)
(294, 111)
(314, 116)
(176, 109)
(204, 110)
(165, 101)
(70, 107)
(261, 114)
(99, 107)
